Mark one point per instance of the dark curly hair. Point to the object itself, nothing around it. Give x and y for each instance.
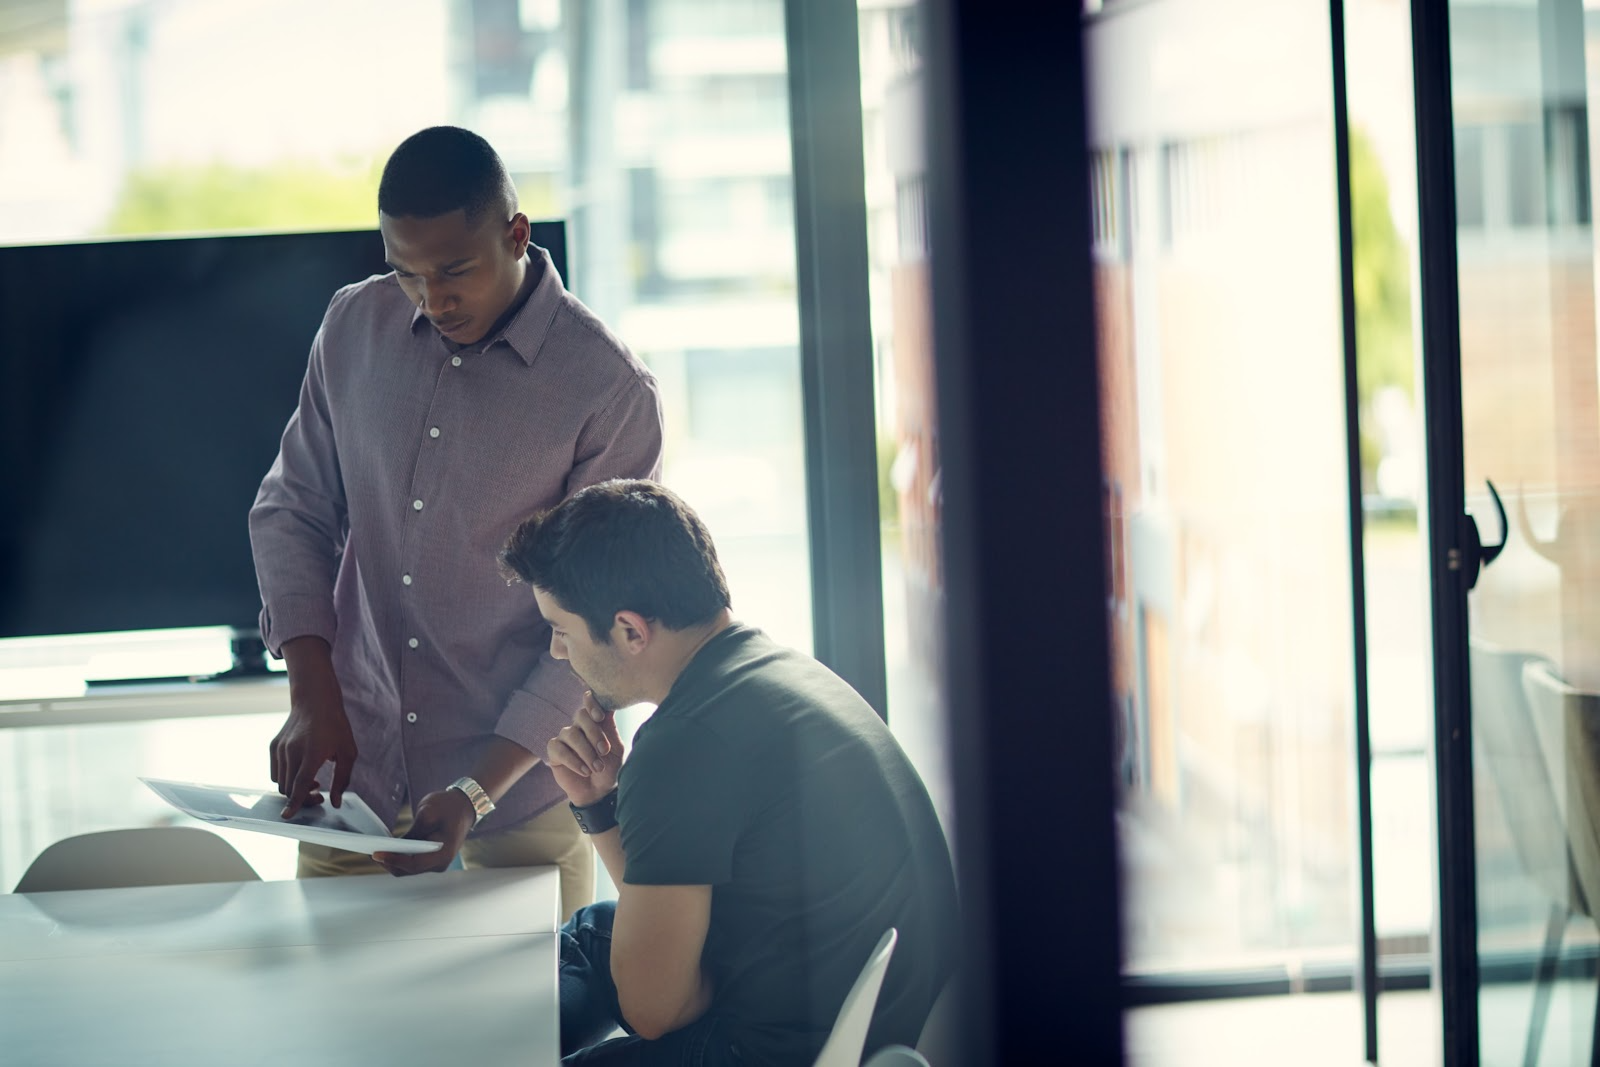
(621, 545)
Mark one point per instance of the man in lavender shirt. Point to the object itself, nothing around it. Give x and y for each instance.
(443, 402)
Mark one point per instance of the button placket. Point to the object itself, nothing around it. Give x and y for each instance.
(417, 502)
(421, 475)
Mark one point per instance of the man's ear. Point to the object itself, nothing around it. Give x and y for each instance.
(521, 235)
(632, 630)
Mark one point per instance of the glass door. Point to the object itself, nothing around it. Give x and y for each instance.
(1227, 494)
(1514, 456)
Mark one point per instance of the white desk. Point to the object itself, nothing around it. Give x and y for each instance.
(457, 967)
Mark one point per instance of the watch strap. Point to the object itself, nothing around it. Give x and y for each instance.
(481, 804)
(598, 817)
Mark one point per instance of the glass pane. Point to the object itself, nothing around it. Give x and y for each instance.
(1383, 195)
(1520, 84)
(892, 94)
(1226, 486)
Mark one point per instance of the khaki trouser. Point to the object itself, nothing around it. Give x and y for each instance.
(550, 838)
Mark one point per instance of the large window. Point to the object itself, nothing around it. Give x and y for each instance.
(657, 128)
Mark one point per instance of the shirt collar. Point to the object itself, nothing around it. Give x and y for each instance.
(526, 331)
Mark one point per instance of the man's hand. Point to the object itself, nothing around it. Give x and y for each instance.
(317, 729)
(444, 816)
(586, 756)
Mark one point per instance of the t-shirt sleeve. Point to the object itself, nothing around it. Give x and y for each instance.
(675, 803)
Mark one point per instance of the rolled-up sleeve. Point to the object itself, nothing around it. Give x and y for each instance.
(545, 703)
(298, 520)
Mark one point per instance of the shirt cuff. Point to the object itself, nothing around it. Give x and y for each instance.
(296, 616)
(531, 719)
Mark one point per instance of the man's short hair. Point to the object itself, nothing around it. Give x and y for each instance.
(621, 545)
(441, 169)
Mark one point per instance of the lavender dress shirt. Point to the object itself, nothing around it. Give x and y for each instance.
(399, 477)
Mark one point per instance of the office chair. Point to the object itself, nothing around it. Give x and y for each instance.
(848, 1038)
(146, 855)
(1507, 746)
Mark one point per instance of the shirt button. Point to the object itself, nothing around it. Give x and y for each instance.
(406, 578)
(413, 642)
(433, 431)
(416, 505)
(411, 716)
(455, 361)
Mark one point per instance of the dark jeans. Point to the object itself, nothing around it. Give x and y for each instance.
(589, 1008)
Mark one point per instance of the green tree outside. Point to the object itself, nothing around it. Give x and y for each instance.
(1384, 351)
(286, 197)
(218, 197)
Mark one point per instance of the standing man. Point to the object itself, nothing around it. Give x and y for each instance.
(764, 832)
(442, 403)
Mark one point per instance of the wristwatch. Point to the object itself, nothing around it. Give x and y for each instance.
(598, 817)
(481, 804)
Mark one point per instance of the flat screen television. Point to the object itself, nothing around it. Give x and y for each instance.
(143, 388)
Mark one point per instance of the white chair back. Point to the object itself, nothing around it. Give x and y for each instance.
(1507, 748)
(145, 855)
(849, 1035)
(1567, 723)
(896, 1056)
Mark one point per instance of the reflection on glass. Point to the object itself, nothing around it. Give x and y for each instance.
(1522, 75)
(1217, 300)
(892, 93)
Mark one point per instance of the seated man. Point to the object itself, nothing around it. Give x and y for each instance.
(765, 831)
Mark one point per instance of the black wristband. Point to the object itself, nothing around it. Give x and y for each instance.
(598, 817)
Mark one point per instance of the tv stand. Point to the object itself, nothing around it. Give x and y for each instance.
(249, 661)
(249, 658)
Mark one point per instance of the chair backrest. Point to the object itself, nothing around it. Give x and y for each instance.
(896, 1056)
(1567, 722)
(1509, 749)
(848, 1039)
(146, 855)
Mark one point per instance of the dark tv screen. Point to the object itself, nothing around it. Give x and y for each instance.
(143, 388)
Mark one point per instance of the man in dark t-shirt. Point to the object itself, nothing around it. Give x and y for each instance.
(765, 830)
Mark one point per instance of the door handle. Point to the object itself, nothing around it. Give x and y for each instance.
(1474, 555)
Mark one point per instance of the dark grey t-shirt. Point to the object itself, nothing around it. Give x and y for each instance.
(768, 778)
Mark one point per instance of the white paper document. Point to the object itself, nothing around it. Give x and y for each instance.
(352, 826)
